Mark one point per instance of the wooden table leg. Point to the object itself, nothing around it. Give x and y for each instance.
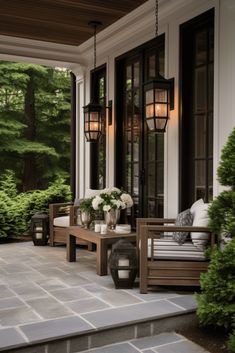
(101, 258)
(71, 248)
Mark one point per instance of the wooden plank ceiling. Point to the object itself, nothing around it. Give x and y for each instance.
(60, 21)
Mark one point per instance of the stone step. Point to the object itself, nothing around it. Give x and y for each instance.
(141, 331)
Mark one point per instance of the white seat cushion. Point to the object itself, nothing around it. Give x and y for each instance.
(61, 221)
(168, 249)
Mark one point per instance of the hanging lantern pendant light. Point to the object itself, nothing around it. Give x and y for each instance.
(158, 97)
(92, 111)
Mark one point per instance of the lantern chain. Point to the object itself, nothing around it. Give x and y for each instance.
(156, 18)
(95, 46)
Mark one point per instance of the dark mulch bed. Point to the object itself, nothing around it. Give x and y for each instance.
(210, 339)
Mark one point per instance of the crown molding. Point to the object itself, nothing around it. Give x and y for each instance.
(13, 48)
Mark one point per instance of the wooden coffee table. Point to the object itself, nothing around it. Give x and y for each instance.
(102, 242)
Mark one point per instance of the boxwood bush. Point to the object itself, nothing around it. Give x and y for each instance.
(216, 302)
(16, 209)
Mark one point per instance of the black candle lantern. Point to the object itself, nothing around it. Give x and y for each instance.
(123, 264)
(40, 228)
(159, 99)
(92, 122)
(92, 111)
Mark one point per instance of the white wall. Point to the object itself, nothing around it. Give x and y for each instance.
(128, 34)
(225, 99)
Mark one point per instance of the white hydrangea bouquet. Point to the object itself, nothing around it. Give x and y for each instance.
(112, 198)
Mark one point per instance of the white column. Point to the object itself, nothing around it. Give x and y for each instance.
(80, 138)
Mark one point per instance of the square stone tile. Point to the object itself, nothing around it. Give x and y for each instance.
(51, 272)
(131, 313)
(49, 308)
(152, 295)
(181, 347)
(11, 268)
(17, 316)
(55, 328)
(69, 294)
(10, 337)
(118, 298)
(7, 303)
(50, 284)
(73, 280)
(16, 279)
(116, 348)
(87, 305)
(155, 341)
(29, 291)
(5, 292)
(187, 302)
(95, 289)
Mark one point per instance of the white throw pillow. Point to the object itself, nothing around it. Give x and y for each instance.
(196, 205)
(91, 193)
(201, 219)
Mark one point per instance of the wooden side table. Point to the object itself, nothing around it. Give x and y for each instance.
(102, 242)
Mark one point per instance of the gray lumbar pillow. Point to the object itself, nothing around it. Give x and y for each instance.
(184, 218)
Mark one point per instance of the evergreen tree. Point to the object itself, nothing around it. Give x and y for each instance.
(34, 123)
(216, 302)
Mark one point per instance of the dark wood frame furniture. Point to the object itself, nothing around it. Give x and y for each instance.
(58, 235)
(166, 272)
(102, 242)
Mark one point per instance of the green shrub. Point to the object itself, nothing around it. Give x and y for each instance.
(231, 342)
(226, 169)
(222, 214)
(16, 210)
(216, 303)
(8, 183)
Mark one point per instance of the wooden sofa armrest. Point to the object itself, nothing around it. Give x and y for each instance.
(140, 222)
(54, 209)
(151, 221)
(73, 214)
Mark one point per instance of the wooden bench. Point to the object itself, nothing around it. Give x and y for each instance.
(156, 268)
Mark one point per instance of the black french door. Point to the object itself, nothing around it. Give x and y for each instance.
(139, 152)
(196, 137)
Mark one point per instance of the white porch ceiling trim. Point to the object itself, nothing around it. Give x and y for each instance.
(136, 24)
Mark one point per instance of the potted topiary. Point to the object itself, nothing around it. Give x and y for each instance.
(216, 300)
(87, 212)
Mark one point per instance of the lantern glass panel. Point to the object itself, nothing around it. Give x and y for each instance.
(149, 96)
(161, 110)
(160, 95)
(123, 262)
(150, 123)
(94, 116)
(149, 111)
(86, 116)
(160, 124)
(93, 135)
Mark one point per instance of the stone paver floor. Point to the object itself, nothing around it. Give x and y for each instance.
(42, 295)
